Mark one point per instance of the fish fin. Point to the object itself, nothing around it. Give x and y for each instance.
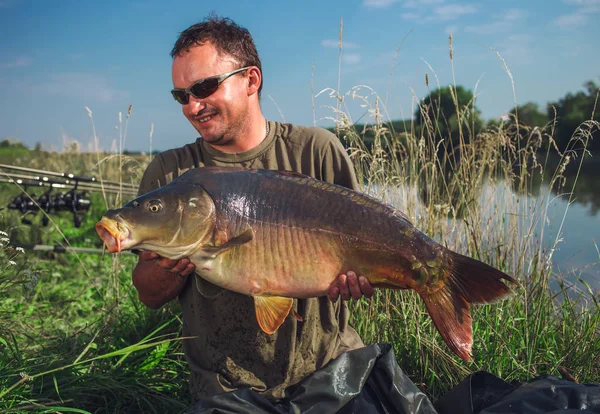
(290, 174)
(271, 311)
(470, 281)
(450, 315)
(239, 240)
(477, 281)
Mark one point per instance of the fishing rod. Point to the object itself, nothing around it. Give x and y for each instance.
(68, 176)
(75, 200)
(44, 181)
(64, 249)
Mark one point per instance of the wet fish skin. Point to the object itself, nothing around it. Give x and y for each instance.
(281, 235)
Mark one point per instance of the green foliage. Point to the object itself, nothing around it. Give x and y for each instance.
(529, 114)
(449, 112)
(573, 110)
(399, 128)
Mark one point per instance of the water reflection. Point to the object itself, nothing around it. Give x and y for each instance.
(570, 232)
(583, 182)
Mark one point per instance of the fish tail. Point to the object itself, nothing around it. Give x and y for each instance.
(470, 281)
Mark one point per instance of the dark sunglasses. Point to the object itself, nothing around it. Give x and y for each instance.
(203, 87)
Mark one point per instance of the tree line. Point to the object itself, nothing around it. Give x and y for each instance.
(451, 113)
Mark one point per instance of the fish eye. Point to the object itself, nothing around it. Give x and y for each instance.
(154, 206)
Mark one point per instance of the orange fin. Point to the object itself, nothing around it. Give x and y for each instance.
(271, 311)
(451, 316)
(470, 281)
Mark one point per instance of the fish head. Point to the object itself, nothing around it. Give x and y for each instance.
(172, 221)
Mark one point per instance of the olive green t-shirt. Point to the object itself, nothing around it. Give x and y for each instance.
(229, 350)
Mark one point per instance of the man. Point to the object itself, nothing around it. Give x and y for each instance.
(217, 79)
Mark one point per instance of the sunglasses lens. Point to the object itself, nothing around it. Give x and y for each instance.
(205, 88)
(181, 96)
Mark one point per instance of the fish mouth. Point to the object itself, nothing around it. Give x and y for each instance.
(113, 233)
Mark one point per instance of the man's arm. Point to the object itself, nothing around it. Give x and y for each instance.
(159, 280)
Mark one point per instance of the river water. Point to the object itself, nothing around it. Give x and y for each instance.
(564, 224)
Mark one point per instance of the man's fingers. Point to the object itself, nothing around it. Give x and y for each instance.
(343, 286)
(365, 287)
(354, 287)
(334, 293)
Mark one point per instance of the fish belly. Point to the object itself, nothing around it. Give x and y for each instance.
(279, 261)
(302, 263)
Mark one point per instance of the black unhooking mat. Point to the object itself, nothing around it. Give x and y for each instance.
(368, 380)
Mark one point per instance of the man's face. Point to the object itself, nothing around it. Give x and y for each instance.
(220, 118)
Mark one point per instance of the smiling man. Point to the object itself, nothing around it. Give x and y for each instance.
(217, 79)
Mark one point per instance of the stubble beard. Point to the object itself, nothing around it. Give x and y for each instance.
(228, 135)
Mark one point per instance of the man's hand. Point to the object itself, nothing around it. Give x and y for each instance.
(158, 279)
(348, 286)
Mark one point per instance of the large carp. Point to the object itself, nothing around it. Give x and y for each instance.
(278, 235)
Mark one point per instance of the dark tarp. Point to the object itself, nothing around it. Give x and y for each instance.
(368, 380)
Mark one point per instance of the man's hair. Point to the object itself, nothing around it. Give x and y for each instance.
(227, 37)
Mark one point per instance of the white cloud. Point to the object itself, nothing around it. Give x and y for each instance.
(17, 62)
(378, 4)
(505, 24)
(413, 4)
(580, 17)
(571, 21)
(85, 86)
(439, 12)
(451, 29)
(516, 50)
(453, 11)
(335, 44)
(584, 3)
(411, 16)
(351, 58)
(514, 14)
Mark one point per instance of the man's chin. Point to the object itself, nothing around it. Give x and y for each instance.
(214, 140)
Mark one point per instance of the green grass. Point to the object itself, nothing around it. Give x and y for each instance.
(74, 336)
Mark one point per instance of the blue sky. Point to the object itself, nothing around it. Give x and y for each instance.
(58, 57)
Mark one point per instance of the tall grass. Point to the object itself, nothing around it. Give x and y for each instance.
(74, 336)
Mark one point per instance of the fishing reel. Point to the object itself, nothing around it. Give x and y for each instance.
(73, 201)
(76, 200)
(24, 203)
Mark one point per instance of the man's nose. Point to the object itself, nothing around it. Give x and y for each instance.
(194, 105)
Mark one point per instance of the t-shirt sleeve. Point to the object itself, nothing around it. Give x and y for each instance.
(337, 168)
(151, 179)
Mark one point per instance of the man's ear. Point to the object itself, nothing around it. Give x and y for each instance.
(254, 80)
